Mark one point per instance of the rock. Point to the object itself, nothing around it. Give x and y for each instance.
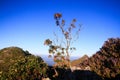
(46, 79)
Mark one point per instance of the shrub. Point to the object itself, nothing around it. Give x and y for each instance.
(106, 62)
(17, 64)
(28, 68)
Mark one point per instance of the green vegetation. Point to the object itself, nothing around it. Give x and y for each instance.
(16, 64)
(8, 57)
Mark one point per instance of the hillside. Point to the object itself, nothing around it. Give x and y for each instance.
(9, 55)
(80, 60)
(17, 64)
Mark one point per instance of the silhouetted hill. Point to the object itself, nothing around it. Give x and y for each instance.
(106, 62)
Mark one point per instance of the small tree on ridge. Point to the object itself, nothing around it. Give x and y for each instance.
(60, 49)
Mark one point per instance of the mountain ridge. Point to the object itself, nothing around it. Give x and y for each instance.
(79, 60)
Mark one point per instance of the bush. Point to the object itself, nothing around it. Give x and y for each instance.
(106, 62)
(27, 68)
(17, 64)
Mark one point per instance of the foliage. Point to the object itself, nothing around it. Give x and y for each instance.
(9, 55)
(25, 67)
(106, 62)
(60, 49)
(28, 68)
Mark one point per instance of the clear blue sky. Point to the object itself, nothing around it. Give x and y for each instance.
(27, 23)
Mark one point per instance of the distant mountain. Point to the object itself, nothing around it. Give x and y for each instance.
(106, 62)
(51, 62)
(80, 60)
(48, 60)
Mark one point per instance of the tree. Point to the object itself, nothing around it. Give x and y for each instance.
(61, 49)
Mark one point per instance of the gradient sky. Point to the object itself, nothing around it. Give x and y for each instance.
(27, 23)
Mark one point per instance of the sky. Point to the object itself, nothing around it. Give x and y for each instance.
(28, 23)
